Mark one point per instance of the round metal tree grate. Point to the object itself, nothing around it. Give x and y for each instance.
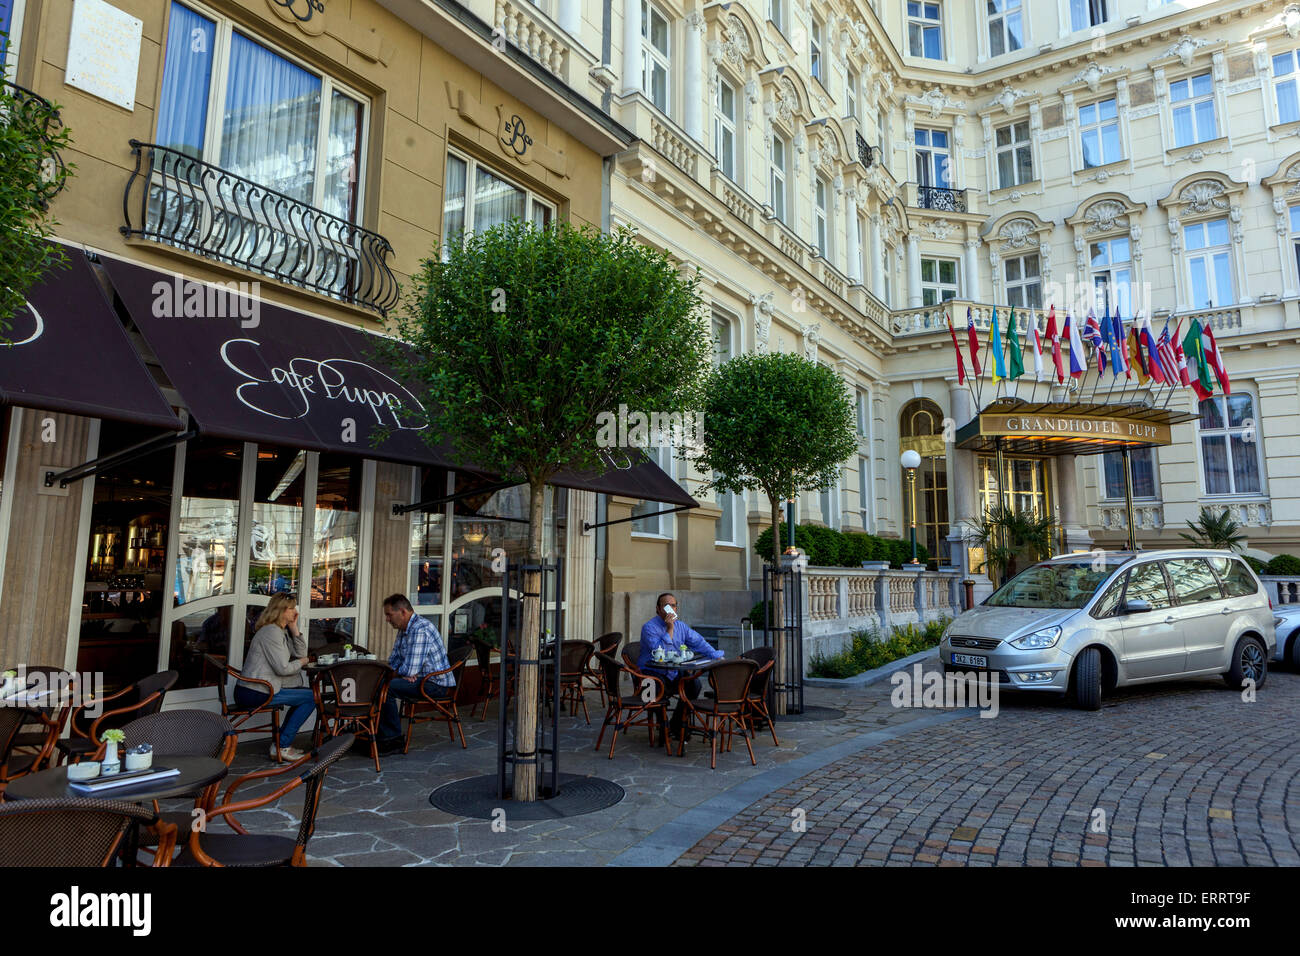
(476, 797)
(812, 713)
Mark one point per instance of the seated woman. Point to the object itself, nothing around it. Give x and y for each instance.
(276, 655)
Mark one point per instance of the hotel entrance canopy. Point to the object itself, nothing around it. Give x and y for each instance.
(1068, 428)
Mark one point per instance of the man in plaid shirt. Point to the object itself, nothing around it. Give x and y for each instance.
(417, 650)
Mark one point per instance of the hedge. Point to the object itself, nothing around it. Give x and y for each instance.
(828, 548)
(1285, 565)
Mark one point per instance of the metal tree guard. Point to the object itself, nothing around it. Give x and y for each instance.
(787, 678)
(543, 758)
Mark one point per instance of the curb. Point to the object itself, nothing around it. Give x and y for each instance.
(873, 676)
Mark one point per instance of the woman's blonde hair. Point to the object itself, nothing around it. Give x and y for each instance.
(275, 609)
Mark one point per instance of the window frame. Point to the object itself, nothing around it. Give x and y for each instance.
(816, 54)
(864, 491)
(1014, 149)
(14, 44)
(1089, 12)
(721, 123)
(1024, 282)
(924, 24)
(1122, 301)
(663, 456)
(851, 82)
(778, 175)
(1104, 480)
(652, 56)
(997, 21)
(1227, 431)
(1208, 253)
(937, 285)
(1292, 79)
(532, 199)
(1099, 126)
(823, 223)
(778, 13)
(1189, 103)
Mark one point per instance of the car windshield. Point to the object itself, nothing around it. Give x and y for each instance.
(1057, 585)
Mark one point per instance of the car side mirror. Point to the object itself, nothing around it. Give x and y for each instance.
(1135, 606)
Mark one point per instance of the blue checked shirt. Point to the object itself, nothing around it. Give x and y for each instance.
(654, 634)
(419, 650)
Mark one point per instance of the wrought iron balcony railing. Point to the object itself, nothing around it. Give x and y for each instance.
(36, 112)
(938, 197)
(867, 155)
(207, 210)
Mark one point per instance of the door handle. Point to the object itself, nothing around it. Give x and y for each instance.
(1226, 610)
(1169, 619)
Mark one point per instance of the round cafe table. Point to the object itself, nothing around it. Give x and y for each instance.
(195, 774)
(692, 668)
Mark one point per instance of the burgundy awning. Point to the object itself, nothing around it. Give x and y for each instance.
(278, 376)
(67, 352)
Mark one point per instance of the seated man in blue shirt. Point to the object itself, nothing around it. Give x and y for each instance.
(666, 631)
(417, 650)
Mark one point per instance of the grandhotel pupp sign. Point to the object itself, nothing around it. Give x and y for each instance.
(1114, 428)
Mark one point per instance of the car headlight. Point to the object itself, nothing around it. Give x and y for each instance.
(1038, 640)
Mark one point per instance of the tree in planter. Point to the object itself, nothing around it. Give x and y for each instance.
(1007, 536)
(31, 136)
(776, 423)
(519, 338)
(1215, 531)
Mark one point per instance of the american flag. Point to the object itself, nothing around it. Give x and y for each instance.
(1168, 356)
(1092, 335)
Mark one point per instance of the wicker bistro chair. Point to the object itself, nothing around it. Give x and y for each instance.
(727, 710)
(74, 831)
(489, 676)
(39, 736)
(638, 709)
(575, 656)
(350, 696)
(760, 689)
(140, 699)
(631, 654)
(595, 675)
(14, 765)
(262, 719)
(434, 708)
(206, 848)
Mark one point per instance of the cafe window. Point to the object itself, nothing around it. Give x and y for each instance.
(336, 547)
(1143, 467)
(239, 103)
(1229, 435)
(475, 198)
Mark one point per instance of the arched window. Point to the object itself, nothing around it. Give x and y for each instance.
(921, 429)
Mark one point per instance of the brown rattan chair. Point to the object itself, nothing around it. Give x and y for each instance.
(575, 657)
(638, 709)
(14, 765)
(350, 696)
(427, 708)
(631, 653)
(39, 736)
(241, 848)
(759, 707)
(74, 831)
(89, 720)
(247, 720)
(489, 676)
(595, 675)
(726, 711)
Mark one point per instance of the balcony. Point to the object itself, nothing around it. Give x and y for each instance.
(201, 208)
(33, 111)
(931, 318)
(941, 199)
(868, 155)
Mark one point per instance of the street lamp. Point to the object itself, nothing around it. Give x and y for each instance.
(789, 524)
(912, 461)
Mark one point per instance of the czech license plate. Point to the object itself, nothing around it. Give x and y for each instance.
(970, 660)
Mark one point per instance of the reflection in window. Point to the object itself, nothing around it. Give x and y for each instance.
(337, 530)
(277, 521)
(1143, 468)
(1230, 445)
(425, 579)
(1147, 583)
(209, 517)
(1193, 581)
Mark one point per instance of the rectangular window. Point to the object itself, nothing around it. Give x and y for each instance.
(776, 13)
(1286, 67)
(1006, 27)
(815, 41)
(821, 216)
(850, 93)
(1112, 276)
(864, 492)
(888, 291)
(655, 61)
(1209, 264)
(882, 132)
(830, 505)
(1294, 214)
(724, 129)
(1193, 104)
(1099, 133)
(725, 528)
(938, 281)
(1143, 465)
(1015, 155)
(723, 349)
(932, 162)
(476, 198)
(660, 525)
(1229, 433)
(863, 412)
(778, 177)
(925, 30)
(1087, 13)
(1024, 284)
(11, 33)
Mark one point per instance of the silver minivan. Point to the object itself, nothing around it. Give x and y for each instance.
(1087, 623)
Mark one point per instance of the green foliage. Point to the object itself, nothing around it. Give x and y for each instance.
(1011, 538)
(1286, 565)
(1256, 564)
(758, 613)
(777, 423)
(1215, 531)
(522, 337)
(869, 651)
(828, 548)
(30, 136)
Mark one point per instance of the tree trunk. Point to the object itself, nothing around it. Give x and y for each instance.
(525, 786)
(776, 613)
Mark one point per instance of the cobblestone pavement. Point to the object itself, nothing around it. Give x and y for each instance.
(1177, 774)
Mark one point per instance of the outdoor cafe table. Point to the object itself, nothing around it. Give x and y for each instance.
(195, 774)
(692, 668)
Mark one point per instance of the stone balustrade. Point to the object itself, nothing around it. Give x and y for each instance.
(1282, 590)
(522, 26)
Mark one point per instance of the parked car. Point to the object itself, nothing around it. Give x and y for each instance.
(1087, 623)
(1286, 620)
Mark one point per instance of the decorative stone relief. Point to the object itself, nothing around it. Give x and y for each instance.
(811, 339)
(1007, 99)
(1105, 215)
(1135, 239)
(1175, 236)
(1093, 75)
(751, 100)
(935, 100)
(1279, 213)
(1204, 195)
(941, 228)
(1185, 49)
(1016, 234)
(762, 320)
(1291, 20)
(1079, 259)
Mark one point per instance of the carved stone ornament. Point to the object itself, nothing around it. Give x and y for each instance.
(936, 100)
(1105, 215)
(752, 97)
(1007, 99)
(811, 339)
(1093, 74)
(1016, 234)
(762, 320)
(1204, 195)
(785, 101)
(1185, 49)
(941, 228)
(1291, 20)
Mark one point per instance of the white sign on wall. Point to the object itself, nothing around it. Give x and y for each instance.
(104, 52)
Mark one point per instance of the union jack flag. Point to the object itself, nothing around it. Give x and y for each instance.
(1092, 335)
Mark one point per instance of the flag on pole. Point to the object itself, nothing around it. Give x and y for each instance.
(1015, 354)
(1038, 353)
(1119, 354)
(1198, 370)
(1168, 357)
(974, 344)
(961, 366)
(1055, 340)
(1092, 335)
(1147, 340)
(1135, 355)
(1108, 343)
(1078, 357)
(999, 370)
(1179, 354)
(1215, 358)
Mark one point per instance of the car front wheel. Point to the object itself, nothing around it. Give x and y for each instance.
(1087, 679)
(1249, 662)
